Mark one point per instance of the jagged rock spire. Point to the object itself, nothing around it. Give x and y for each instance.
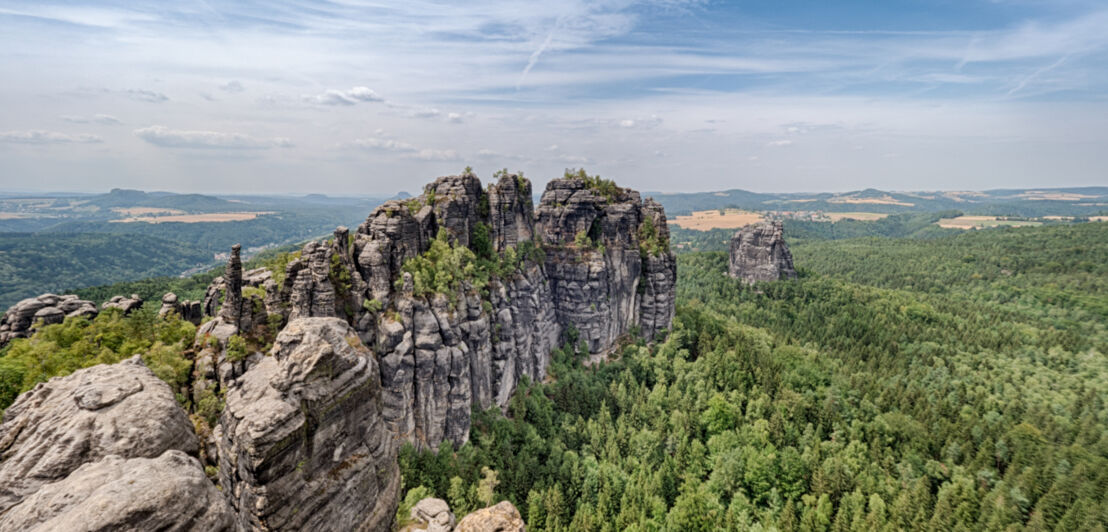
(231, 311)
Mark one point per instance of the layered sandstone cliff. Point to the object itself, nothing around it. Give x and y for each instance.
(759, 253)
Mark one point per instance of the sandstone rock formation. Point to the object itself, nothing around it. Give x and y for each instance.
(432, 515)
(501, 517)
(303, 444)
(447, 348)
(187, 310)
(20, 320)
(126, 304)
(120, 409)
(169, 492)
(607, 259)
(759, 253)
(105, 448)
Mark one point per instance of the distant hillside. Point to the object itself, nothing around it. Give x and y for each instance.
(120, 198)
(33, 264)
(1081, 201)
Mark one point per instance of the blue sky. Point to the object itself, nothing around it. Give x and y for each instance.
(351, 97)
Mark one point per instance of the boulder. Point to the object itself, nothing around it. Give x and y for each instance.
(58, 426)
(432, 515)
(187, 310)
(168, 492)
(501, 517)
(20, 320)
(303, 444)
(126, 304)
(759, 254)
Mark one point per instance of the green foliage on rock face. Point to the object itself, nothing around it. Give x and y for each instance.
(442, 268)
(63, 348)
(651, 242)
(605, 188)
(236, 348)
(850, 399)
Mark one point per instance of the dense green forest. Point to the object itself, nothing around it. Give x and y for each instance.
(860, 397)
(34, 264)
(949, 383)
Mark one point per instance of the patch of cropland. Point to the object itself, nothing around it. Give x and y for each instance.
(31, 264)
(1084, 201)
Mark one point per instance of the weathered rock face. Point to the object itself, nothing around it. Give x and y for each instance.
(119, 410)
(304, 445)
(759, 253)
(19, 321)
(169, 492)
(126, 304)
(607, 275)
(187, 310)
(511, 213)
(501, 517)
(446, 351)
(432, 515)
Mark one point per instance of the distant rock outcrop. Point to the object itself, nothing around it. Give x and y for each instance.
(20, 320)
(126, 304)
(304, 445)
(187, 310)
(759, 253)
(105, 448)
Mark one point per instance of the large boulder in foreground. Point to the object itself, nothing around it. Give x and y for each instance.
(501, 517)
(60, 425)
(759, 253)
(169, 493)
(304, 445)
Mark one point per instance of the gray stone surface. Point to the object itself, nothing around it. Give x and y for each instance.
(126, 304)
(119, 409)
(432, 515)
(185, 309)
(169, 492)
(759, 253)
(20, 320)
(500, 517)
(303, 444)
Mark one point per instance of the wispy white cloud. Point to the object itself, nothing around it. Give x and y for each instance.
(232, 86)
(172, 138)
(345, 97)
(144, 95)
(108, 120)
(37, 136)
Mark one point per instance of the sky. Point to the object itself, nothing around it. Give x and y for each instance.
(351, 97)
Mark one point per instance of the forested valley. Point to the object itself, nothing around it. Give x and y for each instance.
(947, 383)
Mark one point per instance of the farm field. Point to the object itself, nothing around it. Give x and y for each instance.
(975, 222)
(195, 218)
(706, 220)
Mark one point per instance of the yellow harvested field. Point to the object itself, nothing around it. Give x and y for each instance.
(1098, 218)
(861, 216)
(12, 215)
(1054, 196)
(705, 220)
(145, 211)
(976, 222)
(808, 200)
(195, 218)
(883, 200)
